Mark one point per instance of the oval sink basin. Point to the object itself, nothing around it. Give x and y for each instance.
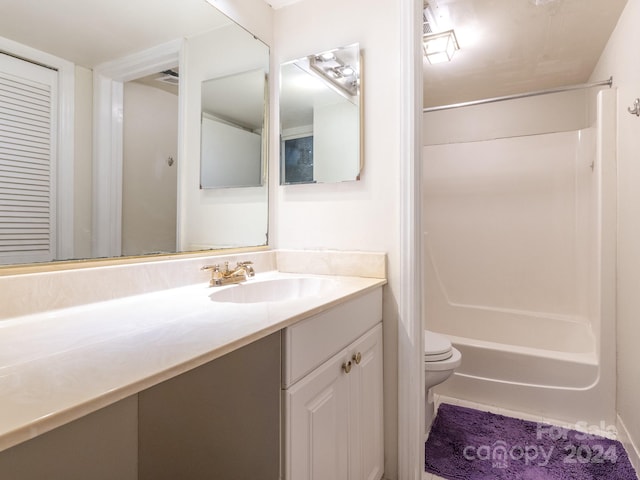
(274, 290)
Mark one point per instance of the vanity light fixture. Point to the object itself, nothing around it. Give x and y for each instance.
(338, 70)
(347, 71)
(440, 47)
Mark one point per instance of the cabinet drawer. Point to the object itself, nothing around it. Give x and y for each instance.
(310, 342)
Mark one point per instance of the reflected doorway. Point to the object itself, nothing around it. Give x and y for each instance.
(149, 170)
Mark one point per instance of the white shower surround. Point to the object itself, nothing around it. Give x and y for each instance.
(520, 268)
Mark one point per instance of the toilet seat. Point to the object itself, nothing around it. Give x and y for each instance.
(436, 347)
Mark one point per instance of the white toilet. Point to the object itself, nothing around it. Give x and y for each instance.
(440, 360)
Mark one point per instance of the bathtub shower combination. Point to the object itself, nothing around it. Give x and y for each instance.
(519, 248)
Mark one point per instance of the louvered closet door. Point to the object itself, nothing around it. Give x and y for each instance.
(27, 161)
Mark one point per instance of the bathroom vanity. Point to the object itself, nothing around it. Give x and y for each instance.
(190, 383)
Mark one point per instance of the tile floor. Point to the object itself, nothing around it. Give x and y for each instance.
(501, 411)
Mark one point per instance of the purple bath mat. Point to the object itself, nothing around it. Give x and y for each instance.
(467, 444)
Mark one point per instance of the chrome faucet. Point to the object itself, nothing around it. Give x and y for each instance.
(241, 272)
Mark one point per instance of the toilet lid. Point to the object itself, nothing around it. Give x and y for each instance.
(436, 347)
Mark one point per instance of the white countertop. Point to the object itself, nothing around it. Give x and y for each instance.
(58, 366)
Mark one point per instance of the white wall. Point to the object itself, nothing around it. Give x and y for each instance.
(149, 198)
(207, 217)
(361, 215)
(618, 59)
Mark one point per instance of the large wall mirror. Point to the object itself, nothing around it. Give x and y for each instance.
(321, 117)
(122, 176)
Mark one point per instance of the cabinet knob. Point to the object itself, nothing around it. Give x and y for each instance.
(346, 367)
(357, 357)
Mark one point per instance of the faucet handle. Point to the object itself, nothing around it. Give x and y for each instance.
(248, 268)
(215, 268)
(215, 273)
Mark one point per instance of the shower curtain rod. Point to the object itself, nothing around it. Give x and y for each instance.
(520, 95)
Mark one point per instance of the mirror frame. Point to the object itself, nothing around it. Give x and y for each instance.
(80, 264)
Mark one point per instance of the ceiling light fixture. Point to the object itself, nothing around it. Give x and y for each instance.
(440, 47)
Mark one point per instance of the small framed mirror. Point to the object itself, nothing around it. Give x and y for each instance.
(321, 117)
(232, 141)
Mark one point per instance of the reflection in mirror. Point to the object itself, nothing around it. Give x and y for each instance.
(233, 116)
(321, 117)
(97, 192)
(212, 218)
(149, 171)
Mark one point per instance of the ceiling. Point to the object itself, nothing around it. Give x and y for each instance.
(516, 46)
(90, 32)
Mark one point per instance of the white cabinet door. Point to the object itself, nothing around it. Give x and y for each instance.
(334, 419)
(367, 459)
(317, 425)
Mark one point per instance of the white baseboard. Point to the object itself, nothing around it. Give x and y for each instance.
(632, 450)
